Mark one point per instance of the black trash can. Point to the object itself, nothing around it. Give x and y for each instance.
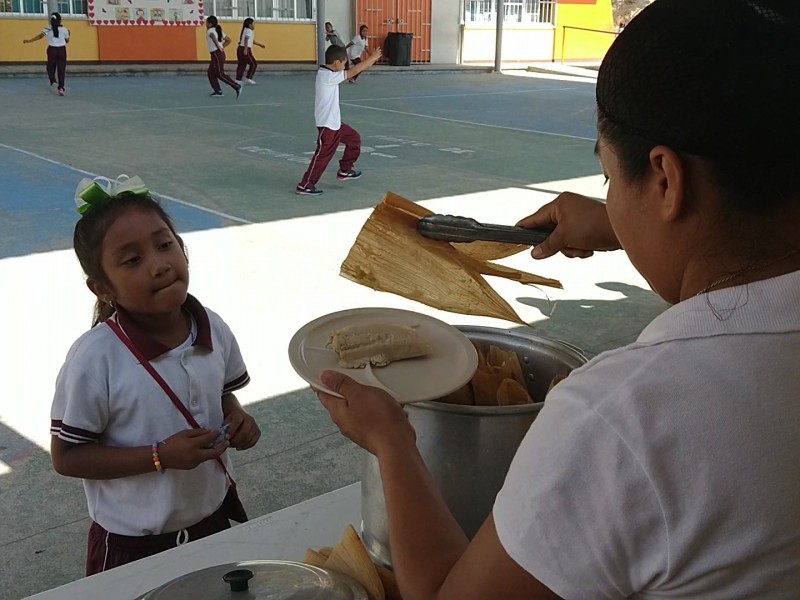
(399, 49)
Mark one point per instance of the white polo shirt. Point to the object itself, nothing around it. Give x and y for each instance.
(357, 48)
(669, 468)
(61, 40)
(104, 395)
(211, 35)
(248, 35)
(326, 98)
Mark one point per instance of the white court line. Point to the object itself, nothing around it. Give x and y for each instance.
(411, 114)
(170, 198)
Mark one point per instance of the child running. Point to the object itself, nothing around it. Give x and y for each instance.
(331, 130)
(144, 395)
(217, 41)
(356, 48)
(244, 53)
(57, 40)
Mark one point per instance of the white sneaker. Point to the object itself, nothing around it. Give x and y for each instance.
(250, 81)
(239, 81)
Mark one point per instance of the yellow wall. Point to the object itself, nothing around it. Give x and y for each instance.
(583, 45)
(285, 42)
(82, 40)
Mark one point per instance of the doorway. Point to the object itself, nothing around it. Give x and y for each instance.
(397, 16)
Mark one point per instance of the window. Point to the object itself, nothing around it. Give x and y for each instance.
(283, 10)
(39, 7)
(527, 11)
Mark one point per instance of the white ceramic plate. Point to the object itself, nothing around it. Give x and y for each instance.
(450, 365)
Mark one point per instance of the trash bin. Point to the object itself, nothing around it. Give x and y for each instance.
(399, 49)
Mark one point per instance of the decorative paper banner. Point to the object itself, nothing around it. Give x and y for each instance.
(146, 12)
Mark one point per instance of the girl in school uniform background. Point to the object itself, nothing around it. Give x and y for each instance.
(57, 40)
(142, 396)
(356, 48)
(217, 41)
(244, 52)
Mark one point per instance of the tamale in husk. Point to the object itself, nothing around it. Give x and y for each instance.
(390, 255)
(350, 557)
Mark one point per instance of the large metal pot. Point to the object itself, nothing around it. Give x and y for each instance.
(468, 449)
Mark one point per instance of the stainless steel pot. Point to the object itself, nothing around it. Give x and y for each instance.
(468, 449)
(260, 580)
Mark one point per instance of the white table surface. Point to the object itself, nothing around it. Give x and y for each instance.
(284, 535)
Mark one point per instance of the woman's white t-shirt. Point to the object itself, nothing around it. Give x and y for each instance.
(61, 40)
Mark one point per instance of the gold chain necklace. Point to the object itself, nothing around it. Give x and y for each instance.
(730, 277)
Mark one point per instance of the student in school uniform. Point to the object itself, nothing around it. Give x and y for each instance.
(356, 48)
(244, 52)
(330, 130)
(57, 40)
(217, 41)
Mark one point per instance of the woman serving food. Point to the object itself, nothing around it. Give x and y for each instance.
(666, 468)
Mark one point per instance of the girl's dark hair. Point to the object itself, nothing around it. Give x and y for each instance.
(247, 22)
(55, 23)
(90, 233)
(362, 28)
(215, 24)
(708, 80)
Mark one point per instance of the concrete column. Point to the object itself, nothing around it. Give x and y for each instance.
(498, 44)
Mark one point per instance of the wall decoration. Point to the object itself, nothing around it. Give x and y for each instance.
(146, 12)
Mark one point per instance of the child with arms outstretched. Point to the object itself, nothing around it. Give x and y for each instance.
(142, 396)
(330, 130)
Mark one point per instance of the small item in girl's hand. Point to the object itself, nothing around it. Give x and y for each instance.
(223, 431)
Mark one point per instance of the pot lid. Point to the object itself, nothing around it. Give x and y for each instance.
(260, 580)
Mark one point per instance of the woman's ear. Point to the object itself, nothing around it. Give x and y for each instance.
(669, 171)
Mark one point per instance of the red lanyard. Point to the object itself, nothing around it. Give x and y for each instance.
(160, 381)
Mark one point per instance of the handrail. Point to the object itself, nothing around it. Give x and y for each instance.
(564, 36)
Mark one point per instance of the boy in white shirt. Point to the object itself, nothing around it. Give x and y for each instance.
(331, 130)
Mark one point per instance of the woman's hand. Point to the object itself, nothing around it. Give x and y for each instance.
(582, 227)
(244, 432)
(188, 448)
(368, 416)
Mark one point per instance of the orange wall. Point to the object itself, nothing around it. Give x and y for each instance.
(146, 43)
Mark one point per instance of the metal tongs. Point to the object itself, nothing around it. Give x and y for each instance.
(451, 228)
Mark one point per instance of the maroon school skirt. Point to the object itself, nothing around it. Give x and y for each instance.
(108, 550)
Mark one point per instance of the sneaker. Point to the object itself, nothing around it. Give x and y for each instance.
(249, 81)
(61, 91)
(216, 94)
(308, 190)
(349, 174)
(239, 90)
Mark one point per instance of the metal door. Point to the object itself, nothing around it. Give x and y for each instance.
(402, 16)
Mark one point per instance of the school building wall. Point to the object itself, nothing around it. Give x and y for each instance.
(286, 42)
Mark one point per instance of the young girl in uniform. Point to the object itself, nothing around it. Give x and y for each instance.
(668, 468)
(356, 48)
(57, 40)
(244, 52)
(142, 396)
(217, 41)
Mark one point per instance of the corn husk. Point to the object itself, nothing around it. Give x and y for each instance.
(350, 557)
(390, 255)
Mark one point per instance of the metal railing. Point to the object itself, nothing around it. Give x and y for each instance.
(525, 11)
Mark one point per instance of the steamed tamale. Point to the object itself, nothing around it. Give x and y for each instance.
(389, 255)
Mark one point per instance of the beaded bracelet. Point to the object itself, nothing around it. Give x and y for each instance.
(156, 459)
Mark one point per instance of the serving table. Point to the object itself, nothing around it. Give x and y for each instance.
(282, 535)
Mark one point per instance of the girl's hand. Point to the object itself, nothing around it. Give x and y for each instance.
(582, 227)
(368, 416)
(244, 431)
(186, 449)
